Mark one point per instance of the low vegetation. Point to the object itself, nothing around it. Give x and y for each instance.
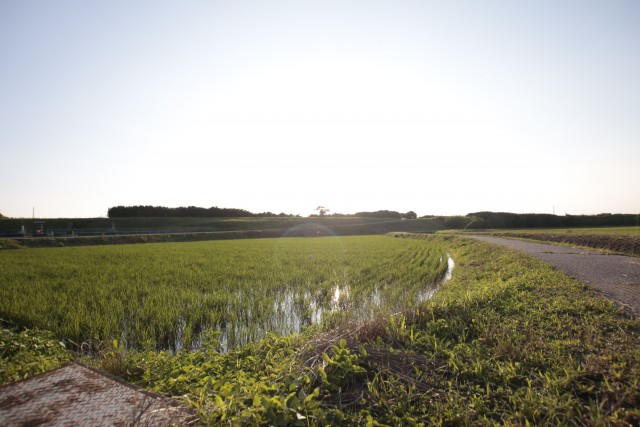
(26, 352)
(508, 340)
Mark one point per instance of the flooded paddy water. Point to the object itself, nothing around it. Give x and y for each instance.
(293, 311)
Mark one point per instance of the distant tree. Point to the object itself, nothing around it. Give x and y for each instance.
(322, 211)
(1, 216)
(410, 215)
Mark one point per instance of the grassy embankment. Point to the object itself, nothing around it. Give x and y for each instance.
(509, 340)
(600, 231)
(101, 231)
(204, 224)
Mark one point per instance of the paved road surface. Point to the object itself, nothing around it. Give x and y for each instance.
(616, 276)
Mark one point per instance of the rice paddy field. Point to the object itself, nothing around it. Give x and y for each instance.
(175, 295)
(508, 340)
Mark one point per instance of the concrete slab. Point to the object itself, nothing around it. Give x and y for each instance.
(78, 395)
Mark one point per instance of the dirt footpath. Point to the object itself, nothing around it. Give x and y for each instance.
(616, 276)
(626, 245)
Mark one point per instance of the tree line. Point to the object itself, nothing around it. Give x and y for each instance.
(476, 220)
(487, 220)
(216, 212)
(375, 214)
(185, 212)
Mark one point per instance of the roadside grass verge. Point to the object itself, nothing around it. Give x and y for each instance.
(526, 344)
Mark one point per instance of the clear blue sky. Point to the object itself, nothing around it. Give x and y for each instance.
(433, 106)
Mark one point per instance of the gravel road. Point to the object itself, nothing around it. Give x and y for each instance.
(616, 276)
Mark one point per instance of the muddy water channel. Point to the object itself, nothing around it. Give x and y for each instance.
(292, 310)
